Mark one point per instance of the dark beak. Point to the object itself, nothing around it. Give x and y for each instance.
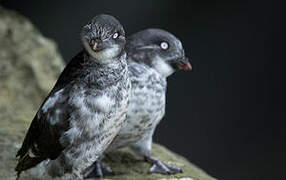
(184, 64)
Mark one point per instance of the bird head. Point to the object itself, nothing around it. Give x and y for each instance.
(158, 49)
(103, 37)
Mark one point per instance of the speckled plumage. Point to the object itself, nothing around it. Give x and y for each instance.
(84, 111)
(147, 105)
(149, 66)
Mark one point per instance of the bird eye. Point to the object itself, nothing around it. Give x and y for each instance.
(164, 45)
(115, 35)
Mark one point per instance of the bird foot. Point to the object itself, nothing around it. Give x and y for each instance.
(160, 167)
(97, 170)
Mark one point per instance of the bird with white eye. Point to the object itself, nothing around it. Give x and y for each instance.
(164, 45)
(104, 47)
(85, 109)
(115, 35)
(152, 56)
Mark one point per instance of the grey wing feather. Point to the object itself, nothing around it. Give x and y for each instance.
(40, 126)
(42, 139)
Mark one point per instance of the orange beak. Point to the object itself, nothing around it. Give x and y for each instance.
(94, 47)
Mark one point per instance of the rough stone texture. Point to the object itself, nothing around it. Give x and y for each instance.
(29, 66)
(128, 167)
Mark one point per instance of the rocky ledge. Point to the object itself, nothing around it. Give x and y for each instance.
(29, 67)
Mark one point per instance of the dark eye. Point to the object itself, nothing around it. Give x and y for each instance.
(164, 45)
(115, 35)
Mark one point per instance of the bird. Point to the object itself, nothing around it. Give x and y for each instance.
(152, 56)
(85, 109)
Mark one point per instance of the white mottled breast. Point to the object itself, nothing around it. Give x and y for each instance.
(101, 116)
(147, 105)
(85, 115)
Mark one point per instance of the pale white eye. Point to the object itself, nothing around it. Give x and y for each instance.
(115, 35)
(164, 45)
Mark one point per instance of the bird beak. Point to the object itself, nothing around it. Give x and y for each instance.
(94, 47)
(184, 64)
(97, 46)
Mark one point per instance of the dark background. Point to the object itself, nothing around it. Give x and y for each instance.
(228, 115)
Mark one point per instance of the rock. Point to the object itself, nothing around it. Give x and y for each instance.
(29, 67)
(128, 167)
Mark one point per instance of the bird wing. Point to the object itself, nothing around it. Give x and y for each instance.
(72, 71)
(42, 139)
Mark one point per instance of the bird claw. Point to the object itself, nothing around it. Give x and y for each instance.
(98, 170)
(160, 167)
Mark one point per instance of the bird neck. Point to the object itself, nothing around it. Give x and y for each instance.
(105, 74)
(162, 67)
(103, 57)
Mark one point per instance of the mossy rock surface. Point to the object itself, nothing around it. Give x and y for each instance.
(128, 167)
(29, 67)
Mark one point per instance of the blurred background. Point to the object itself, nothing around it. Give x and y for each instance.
(228, 115)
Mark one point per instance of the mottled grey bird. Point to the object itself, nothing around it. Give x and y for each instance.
(85, 109)
(152, 56)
